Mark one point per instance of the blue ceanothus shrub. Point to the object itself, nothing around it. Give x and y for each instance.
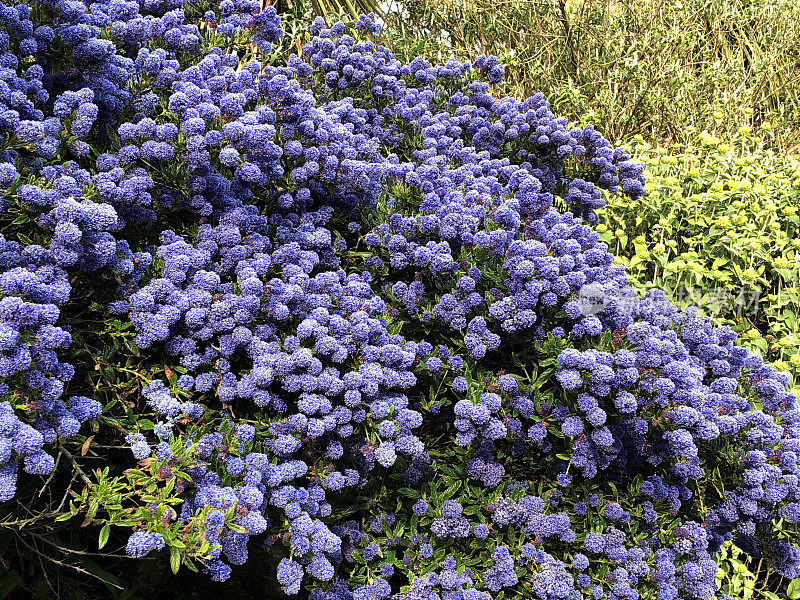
(398, 349)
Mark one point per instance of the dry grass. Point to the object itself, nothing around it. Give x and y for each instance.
(651, 67)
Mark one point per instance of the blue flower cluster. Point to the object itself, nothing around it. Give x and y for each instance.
(32, 411)
(370, 284)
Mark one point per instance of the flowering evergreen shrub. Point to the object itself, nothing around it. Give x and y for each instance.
(358, 313)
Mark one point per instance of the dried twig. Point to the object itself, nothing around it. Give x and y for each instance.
(76, 467)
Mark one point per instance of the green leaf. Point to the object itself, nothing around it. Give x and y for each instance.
(793, 589)
(450, 491)
(131, 345)
(174, 559)
(111, 582)
(104, 533)
(9, 582)
(408, 492)
(237, 528)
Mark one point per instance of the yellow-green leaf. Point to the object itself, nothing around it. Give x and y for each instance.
(174, 559)
(104, 533)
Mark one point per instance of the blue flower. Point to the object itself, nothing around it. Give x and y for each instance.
(140, 543)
